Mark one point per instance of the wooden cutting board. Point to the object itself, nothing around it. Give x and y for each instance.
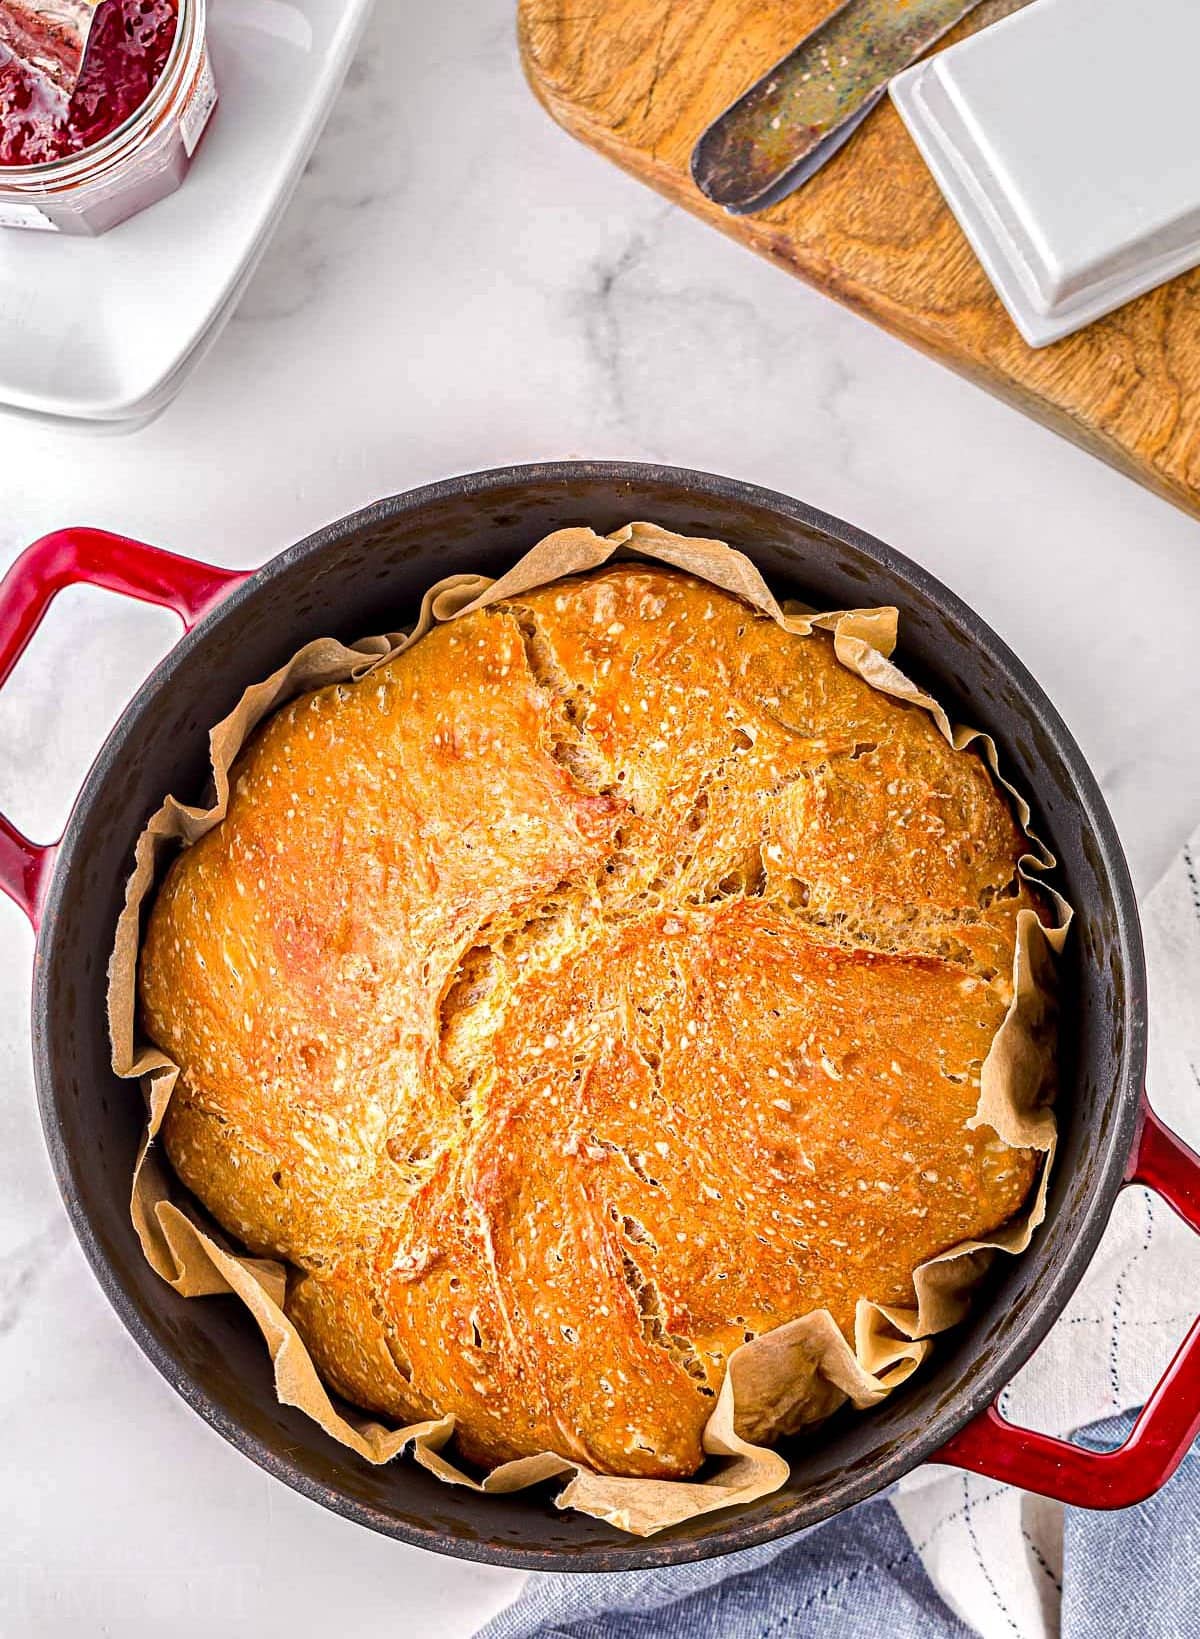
(640, 79)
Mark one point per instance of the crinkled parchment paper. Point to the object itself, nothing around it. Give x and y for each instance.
(783, 1381)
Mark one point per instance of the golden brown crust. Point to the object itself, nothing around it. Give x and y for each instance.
(603, 981)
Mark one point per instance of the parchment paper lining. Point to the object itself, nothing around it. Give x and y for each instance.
(783, 1381)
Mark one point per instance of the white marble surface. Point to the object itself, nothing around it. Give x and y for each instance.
(452, 290)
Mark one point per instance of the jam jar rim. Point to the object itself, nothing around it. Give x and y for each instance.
(110, 148)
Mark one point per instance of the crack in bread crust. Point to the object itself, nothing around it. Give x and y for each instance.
(601, 983)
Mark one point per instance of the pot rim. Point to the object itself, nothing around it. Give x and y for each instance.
(729, 1534)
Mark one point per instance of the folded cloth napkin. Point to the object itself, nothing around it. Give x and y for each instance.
(948, 1554)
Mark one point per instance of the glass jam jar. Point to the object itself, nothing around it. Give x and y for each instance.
(138, 163)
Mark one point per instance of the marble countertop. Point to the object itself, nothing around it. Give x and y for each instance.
(441, 296)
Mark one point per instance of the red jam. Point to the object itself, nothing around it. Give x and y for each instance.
(126, 54)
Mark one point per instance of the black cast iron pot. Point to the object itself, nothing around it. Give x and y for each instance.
(365, 574)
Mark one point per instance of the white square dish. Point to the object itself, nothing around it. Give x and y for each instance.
(1064, 141)
(106, 330)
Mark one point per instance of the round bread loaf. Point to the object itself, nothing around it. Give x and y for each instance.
(599, 984)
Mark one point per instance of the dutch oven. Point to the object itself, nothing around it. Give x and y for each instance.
(365, 574)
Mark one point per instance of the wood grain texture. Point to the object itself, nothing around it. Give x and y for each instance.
(640, 79)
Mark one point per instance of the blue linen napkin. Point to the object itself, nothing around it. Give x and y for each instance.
(1129, 1574)
(858, 1574)
(1134, 1571)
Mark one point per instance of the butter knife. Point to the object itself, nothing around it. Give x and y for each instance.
(772, 139)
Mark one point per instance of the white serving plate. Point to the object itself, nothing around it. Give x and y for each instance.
(1066, 141)
(106, 330)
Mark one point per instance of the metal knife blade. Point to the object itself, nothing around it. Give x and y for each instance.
(772, 139)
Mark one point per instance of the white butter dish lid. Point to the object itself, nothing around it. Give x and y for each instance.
(1066, 140)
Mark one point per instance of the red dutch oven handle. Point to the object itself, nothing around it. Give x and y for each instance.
(1167, 1423)
(119, 565)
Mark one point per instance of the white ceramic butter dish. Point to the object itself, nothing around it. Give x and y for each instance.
(1066, 140)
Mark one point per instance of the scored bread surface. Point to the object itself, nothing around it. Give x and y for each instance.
(599, 984)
